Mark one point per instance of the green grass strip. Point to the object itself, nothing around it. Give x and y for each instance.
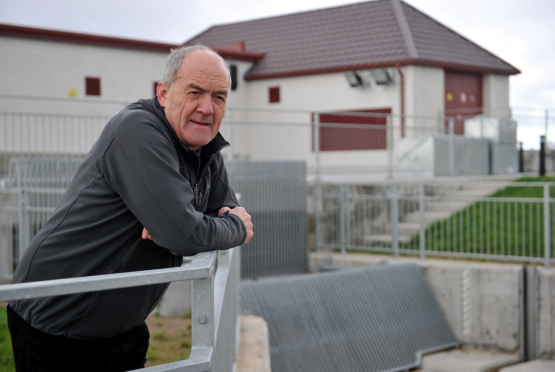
(494, 228)
(6, 353)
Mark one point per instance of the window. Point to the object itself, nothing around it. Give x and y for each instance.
(274, 95)
(92, 86)
(233, 74)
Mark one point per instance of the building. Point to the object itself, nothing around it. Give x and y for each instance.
(379, 57)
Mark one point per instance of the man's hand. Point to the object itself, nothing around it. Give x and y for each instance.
(239, 211)
(244, 216)
(145, 234)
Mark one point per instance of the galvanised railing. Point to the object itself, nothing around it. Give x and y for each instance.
(215, 304)
(463, 219)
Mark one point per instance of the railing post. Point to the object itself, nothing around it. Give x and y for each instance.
(343, 219)
(394, 221)
(389, 128)
(202, 312)
(422, 223)
(348, 215)
(230, 115)
(452, 146)
(317, 183)
(546, 225)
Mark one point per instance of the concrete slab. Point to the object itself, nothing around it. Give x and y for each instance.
(533, 366)
(546, 313)
(254, 345)
(467, 361)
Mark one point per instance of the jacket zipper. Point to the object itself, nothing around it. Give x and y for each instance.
(197, 194)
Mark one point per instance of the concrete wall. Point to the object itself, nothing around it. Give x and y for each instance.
(483, 302)
(546, 313)
(496, 95)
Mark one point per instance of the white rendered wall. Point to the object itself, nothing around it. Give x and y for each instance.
(313, 93)
(49, 69)
(496, 95)
(424, 96)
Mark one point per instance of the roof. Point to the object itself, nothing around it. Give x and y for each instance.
(359, 36)
(112, 42)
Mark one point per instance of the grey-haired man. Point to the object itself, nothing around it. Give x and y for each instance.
(153, 189)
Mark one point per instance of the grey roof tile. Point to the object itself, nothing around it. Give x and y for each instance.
(369, 33)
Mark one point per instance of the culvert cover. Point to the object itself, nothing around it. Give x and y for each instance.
(371, 319)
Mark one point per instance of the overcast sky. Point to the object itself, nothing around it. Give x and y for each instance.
(521, 32)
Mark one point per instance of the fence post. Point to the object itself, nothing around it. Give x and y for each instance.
(452, 146)
(389, 128)
(348, 216)
(422, 223)
(317, 183)
(230, 115)
(546, 225)
(394, 221)
(202, 312)
(343, 219)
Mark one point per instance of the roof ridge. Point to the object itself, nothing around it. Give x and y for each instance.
(405, 29)
(294, 13)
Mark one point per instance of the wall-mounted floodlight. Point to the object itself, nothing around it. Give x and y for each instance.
(354, 79)
(381, 77)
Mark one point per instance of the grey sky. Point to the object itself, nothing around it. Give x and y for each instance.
(520, 32)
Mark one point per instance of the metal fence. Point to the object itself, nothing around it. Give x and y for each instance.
(31, 192)
(215, 304)
(331, 143)
(471, 220)
(275, 195)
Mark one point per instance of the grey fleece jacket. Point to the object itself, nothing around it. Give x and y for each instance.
(137, 174)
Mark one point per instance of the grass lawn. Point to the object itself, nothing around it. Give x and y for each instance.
(491, 227)
(6, 353)
(170, 339)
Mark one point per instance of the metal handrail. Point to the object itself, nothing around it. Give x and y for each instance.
(209, 272)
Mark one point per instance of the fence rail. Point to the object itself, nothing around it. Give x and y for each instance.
(215, 296)
(330, 143)
(474, 220)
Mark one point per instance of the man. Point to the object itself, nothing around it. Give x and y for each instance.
(152, 189)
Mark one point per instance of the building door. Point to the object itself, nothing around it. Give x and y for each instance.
(463, 97)
(337, 135)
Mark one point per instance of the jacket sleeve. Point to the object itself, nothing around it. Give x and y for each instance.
(142, 167)
(221, 194)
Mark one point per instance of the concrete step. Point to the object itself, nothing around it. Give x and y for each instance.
(369, 239)
(532, 366)
(471, 192)
(429, 217)
(446, 206)
(467, 361)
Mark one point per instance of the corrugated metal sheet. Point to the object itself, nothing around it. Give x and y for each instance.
(371, 319)
(274, 194)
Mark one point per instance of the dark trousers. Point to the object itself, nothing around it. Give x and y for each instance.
(36, 351)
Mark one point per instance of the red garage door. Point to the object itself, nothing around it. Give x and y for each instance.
(463, 97)
(336, 135)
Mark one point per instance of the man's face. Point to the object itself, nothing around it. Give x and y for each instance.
(195, 105)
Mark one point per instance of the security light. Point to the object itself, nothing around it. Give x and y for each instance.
(381, 77)
(354, 79)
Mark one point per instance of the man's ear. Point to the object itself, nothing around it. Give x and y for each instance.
(162, 92)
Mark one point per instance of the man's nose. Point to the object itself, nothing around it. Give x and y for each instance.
(205, 105)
